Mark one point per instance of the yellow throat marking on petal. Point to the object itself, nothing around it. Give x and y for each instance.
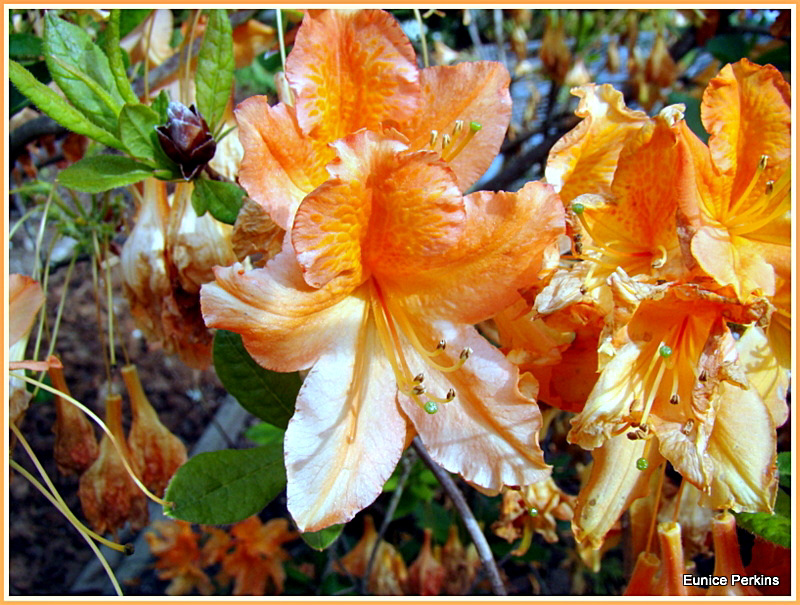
(408, 383)
(454, 143)
(771, 204)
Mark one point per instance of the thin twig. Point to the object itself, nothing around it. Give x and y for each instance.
(387, 518)
(484, 552)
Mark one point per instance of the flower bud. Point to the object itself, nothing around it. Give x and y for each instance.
(156, 451)
(76, 445)
(426, 574)
(109, 497)
(186, 139)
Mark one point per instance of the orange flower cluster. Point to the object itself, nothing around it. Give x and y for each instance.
(250, 555)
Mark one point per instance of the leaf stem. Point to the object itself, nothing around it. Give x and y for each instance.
(484, 552)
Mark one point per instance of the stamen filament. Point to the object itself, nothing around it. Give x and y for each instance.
(656, 506)
(737, 204)
(449, 154)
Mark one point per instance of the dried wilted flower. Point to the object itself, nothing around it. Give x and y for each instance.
(426, 574)
(554, 54)
(186, 139)
(388, 575)
(109, 497)
(76, 445)
(156, 451)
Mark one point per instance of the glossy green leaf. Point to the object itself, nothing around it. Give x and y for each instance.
(214, 75)
(223, 200)
(98, 173)
(776, 527)
(785, 468)
(82, 72)
(322, 539)
(137, 130)
(226, 486)
(159, 105)
(25, 46)
(264, 433)
(51, 103)
(115, 60)
(266, 394)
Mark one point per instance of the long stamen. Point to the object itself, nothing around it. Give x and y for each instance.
(737, 205)
(656, 506)
(448, 153)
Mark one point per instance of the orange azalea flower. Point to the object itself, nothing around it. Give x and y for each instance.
(178, 557)
(356, 69)
(401, 266)
(379, 282)
(676, 388)
(738, 206)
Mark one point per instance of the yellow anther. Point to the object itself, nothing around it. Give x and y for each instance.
(446, 140)
(458, 127)
(770, 186)
(419, 378)
(434, 137)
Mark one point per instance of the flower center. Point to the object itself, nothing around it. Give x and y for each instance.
(390, 325)
(746, 214)
(454, 143)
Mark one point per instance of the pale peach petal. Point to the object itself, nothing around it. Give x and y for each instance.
(614, 483)
(285, 324)
(347, 432)
(489, 433)
(732, 260)
(25, 298)
(351, 70)
(500, 252)
(584, 160)
(280, 165)
(470, 92)
(764, 372)
(742, 446)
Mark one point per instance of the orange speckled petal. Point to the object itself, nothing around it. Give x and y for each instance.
(585, 158)
(746, 111)
(382, 211)
(280, 166)
(351, 70)
(285, 324)
(471, 92)
(501, 251)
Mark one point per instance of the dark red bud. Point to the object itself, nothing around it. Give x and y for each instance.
(186, 139)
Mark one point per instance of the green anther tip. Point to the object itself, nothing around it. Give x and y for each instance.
(577, 208)
(431, 407)
(664, 351)
(533, 511)
(475, 126)
(642, 464)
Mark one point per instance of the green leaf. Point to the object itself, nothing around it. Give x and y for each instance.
(226, 486)
(785, 468)
(159, 105)
(115, 60)
(223, 200)
(82, 72)
(264, 433)
(214, 75)
(49, 101)
(728, 48)
(25, 47)
(322, 539)
(137, 123)
(98, 173)
(775, 528)
(266, 394)
(130, 18)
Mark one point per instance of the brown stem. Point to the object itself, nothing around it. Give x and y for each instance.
(484, 552)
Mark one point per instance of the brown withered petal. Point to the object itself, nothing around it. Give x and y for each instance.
(426, 574)
(156, 451)
(186, 139)
(109, 497)
(76, 444)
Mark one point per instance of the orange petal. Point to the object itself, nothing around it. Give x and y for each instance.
(470, 92)
(394, 213)
(489, 433)
(347, 432)
(733, 260)
(500, 252)
(746, 111)
(584, 159)
(351, 70)
(280, 166)
(285, 324)
(25, 297)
